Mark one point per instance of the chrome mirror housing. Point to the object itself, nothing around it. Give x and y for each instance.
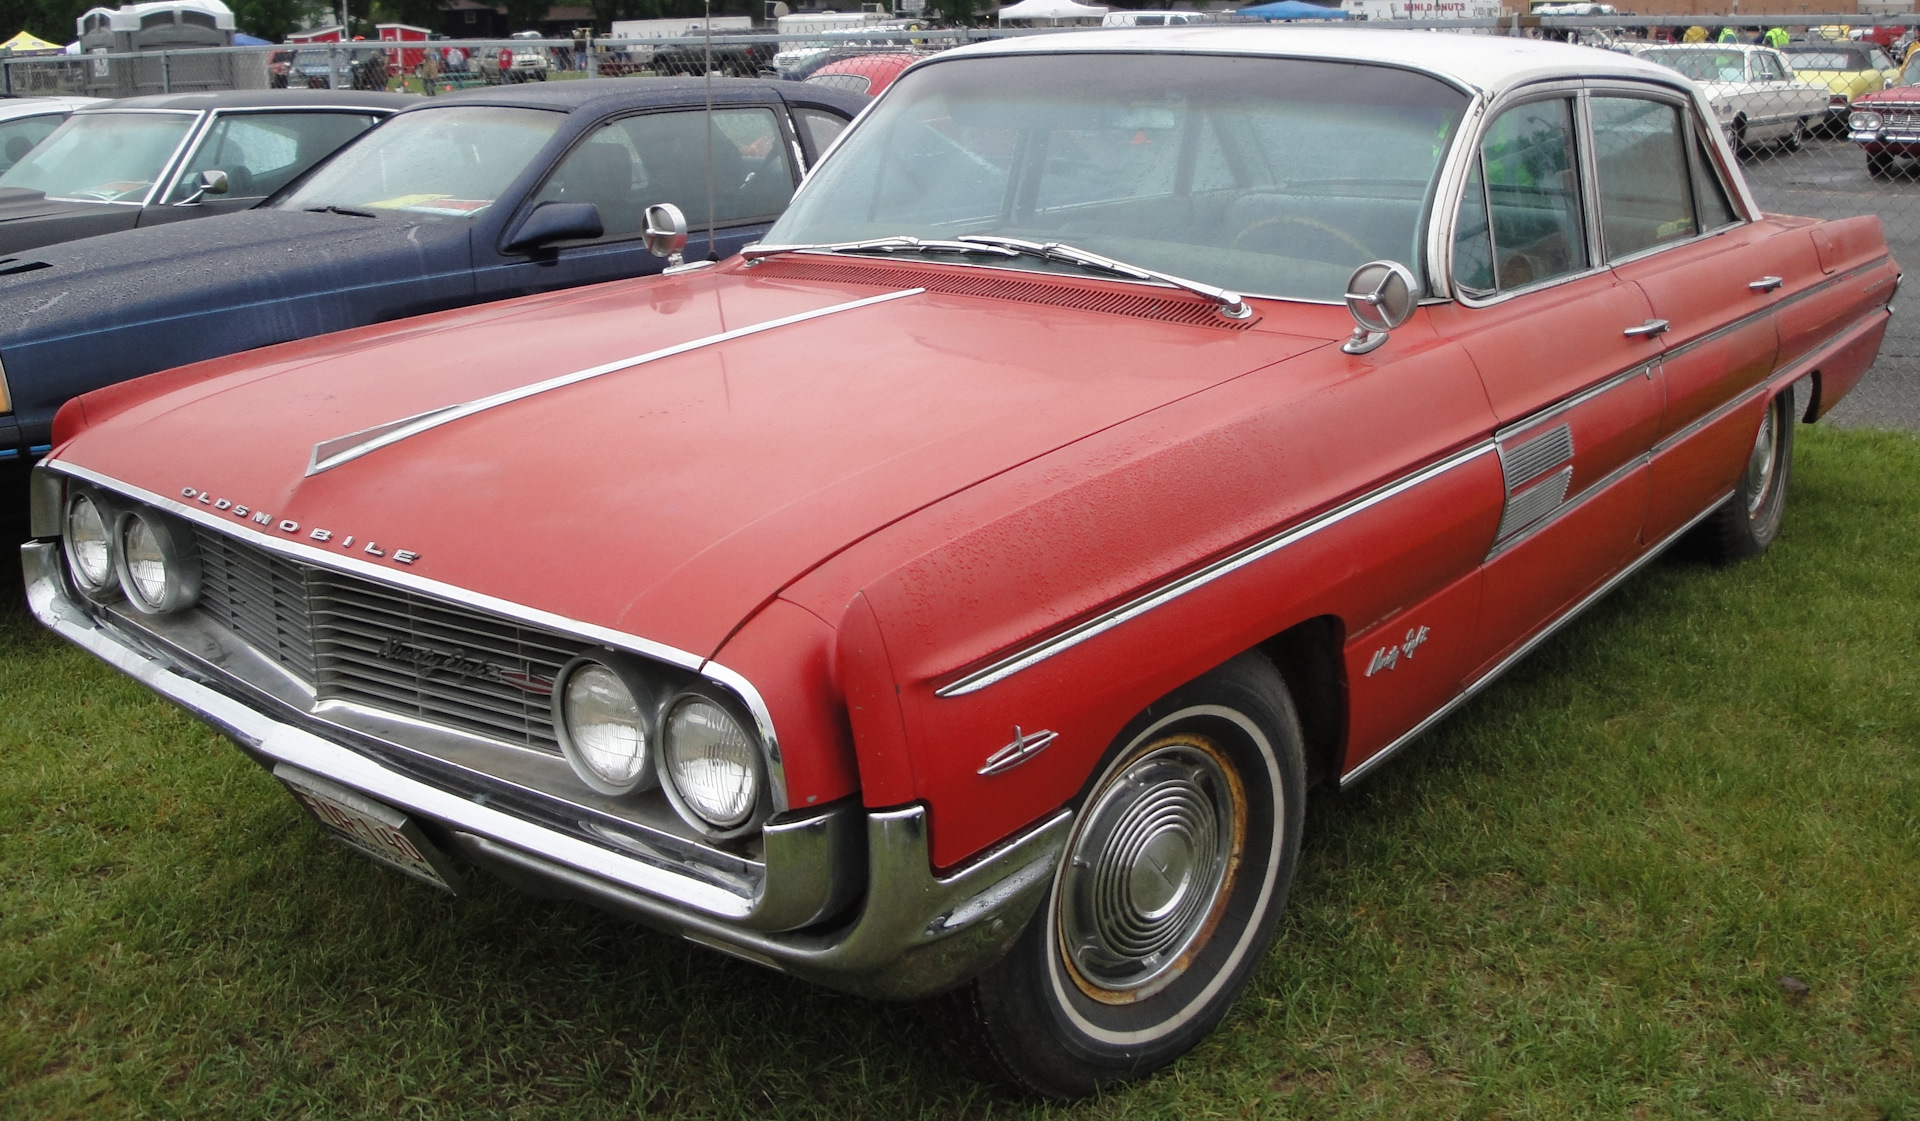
(213, 181)
(666, 232)
(1380, 295)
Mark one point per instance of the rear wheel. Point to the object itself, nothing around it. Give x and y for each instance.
(1748, 521)
(1167, 898)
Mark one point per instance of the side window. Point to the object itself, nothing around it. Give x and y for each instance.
(1709, 194)
(17, 137)
(263, 152)
(818, 129)
(1766, 68)
(1533, 194)
(628, 165)
(1473, 238)
(1640, 157)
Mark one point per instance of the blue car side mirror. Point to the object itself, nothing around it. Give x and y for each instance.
(555, 221)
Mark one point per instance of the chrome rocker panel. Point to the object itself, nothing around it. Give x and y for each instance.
(913, 934)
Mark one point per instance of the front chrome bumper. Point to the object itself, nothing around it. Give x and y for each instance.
(912, 932)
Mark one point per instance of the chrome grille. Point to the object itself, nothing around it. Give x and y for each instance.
(403, 652)
(369, 643)
(258, 596)
(1902, 120)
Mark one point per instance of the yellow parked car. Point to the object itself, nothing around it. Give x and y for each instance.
(1848, 70)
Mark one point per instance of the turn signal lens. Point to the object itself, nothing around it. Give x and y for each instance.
(603, 726)
(158, 567)
(713, 765)
(89, 547)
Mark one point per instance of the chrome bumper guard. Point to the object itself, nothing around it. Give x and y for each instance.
(912, 934)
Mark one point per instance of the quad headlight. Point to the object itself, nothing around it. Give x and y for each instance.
(603, 720)
(714, 775)
(88, 541)
(1865, 120)
(158, 563)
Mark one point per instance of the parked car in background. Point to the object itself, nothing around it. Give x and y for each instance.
(26, 121)
(519, 62)
(1886, 124)
(962, 588)
(459, 200)
(868, 73)
(145, 161)
(1849, 71)
(1755, 97)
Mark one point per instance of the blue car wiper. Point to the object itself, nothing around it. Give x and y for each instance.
(348, 211)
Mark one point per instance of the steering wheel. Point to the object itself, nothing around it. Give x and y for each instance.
(1340, 235)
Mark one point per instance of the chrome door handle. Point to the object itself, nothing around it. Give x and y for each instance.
(1765, 284)
(1648, 329)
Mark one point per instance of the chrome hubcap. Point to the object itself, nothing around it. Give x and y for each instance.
(1760, 466)
(1150, 868)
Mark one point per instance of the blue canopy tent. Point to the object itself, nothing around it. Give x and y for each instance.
(1290, 9)
(242, 39)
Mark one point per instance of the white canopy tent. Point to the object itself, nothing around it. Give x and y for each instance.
(1050, 11)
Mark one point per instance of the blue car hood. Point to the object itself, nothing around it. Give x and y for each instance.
(89, 313)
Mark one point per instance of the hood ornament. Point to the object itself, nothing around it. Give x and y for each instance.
(328, 454)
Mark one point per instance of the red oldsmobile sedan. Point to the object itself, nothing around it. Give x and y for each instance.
(1121, 433)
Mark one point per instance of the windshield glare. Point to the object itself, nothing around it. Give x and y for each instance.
(435, 163)
(1268, 176)
(101, 157)
(1703, 66)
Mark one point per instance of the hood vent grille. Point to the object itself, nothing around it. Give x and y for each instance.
(997, 285)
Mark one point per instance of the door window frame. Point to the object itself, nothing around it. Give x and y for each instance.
(198, 136)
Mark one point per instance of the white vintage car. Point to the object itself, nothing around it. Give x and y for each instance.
(1753, 91)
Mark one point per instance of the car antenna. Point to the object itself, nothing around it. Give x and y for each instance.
(706, 26)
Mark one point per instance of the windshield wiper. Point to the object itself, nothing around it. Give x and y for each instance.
(1230, 303)
(348, 211)
(900, 244)
(992, 245)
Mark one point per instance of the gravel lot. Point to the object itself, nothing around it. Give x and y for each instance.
(1828, 179)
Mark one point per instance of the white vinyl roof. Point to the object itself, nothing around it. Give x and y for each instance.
(1488, 63)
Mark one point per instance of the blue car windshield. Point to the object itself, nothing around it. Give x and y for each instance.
(435, 163)
(1268, 176)
(102, 157)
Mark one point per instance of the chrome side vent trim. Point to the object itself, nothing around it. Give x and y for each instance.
(1525, 462)
(1534, 503)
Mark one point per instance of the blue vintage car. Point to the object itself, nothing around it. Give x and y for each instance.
(459, 200)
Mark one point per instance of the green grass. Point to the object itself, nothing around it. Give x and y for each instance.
(1574, 899)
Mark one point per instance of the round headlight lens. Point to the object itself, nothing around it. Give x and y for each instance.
(89, 546)
(603, 728)
(158, 570)
(713, 764)
(1864, 121)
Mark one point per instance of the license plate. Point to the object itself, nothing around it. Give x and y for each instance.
(374, 830)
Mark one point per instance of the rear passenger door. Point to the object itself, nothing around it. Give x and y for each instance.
(1576, 397)
(1668, 226)
(630, 163)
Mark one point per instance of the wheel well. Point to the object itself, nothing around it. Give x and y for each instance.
(1308, 657)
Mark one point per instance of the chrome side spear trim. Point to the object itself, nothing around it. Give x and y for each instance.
(328, 454)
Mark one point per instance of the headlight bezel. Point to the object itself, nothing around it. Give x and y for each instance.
(179, 560)
(758, 808)
(645, 696)
(107, 588)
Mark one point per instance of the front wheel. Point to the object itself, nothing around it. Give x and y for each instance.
(1168, 895)
(1748, 521)
(1879, 164)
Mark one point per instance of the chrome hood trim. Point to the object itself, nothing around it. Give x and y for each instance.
(328, 454)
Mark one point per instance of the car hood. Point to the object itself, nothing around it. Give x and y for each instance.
(671, 497)
(89, 313)
(1893, 95)
(20, 206)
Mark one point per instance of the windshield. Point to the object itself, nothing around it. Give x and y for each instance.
(102, 157)
(1703, 66)
(436, 163)
(1268, 176)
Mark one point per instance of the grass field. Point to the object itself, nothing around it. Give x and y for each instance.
(1576, 898)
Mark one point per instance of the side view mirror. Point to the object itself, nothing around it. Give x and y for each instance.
(1380, 295)
(556, 221)
(212, 182)
(666, 232)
